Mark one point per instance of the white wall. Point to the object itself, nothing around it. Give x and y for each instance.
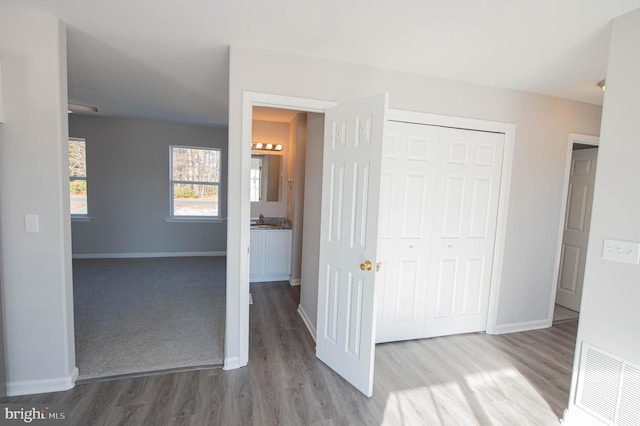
(129, 193)
(311, 227)
(276, 133)
(609, 315)
(543, 125)
(1, 96)
(36, 267)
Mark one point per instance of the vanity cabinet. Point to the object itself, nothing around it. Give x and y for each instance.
(270, 256)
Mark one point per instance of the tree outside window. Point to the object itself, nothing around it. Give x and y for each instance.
(195, 181)
(78, 177)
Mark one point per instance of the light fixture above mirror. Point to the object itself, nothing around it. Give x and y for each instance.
(265, 146)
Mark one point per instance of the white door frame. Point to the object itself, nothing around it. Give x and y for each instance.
(237, 312)
(571, 140)
(509, 131)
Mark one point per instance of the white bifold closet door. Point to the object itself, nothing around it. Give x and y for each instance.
(439, 203)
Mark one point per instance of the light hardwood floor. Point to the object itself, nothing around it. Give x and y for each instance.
(516, 379)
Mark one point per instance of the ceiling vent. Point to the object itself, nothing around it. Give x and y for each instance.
(608, 387)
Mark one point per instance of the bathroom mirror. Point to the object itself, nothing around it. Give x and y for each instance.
(265, 177)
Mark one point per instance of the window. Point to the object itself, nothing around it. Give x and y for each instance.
(78, 177)
(195, 182)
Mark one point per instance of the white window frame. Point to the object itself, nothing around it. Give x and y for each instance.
(81, 216)
(172, 182)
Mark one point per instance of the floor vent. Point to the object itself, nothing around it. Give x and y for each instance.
(608, 387)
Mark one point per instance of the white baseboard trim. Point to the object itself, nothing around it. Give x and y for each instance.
(147, 254)
(521, 326)
(575, 416)
(295, 281)
(232, 363)
(265, 278)
(30, 387)
(307, 322)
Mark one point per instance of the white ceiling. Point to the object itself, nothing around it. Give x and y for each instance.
(169, 59)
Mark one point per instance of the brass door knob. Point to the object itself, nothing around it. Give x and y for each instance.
(366, 266)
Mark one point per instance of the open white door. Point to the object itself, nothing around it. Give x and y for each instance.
(349, 237)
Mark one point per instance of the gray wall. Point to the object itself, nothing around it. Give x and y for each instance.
(36, 267)
(609, 314)
(312, 209)
(543, 125)
(129, 191)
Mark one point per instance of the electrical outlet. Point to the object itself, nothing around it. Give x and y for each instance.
(621, 251)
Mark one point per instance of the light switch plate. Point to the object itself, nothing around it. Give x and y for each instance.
(31, 223)
(621, 251)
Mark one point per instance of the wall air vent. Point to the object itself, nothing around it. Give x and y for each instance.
(629, 409)
(608, 387)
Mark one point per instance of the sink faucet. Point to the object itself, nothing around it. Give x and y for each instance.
(261, 218)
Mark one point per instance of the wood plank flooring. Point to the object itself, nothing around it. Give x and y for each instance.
(474, 379)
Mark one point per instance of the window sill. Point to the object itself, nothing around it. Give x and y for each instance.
(188, 219)
(81, 219)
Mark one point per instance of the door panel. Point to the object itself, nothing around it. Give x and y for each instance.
(576, 228)
(355, 295)
(462, 245)
(336, 199)
(480, 208)
(452, 215)
(332, 289)
(349, 237)
(446, 287)
(277, 258)
(570, 265)
(577, 206)
(413, 205)
(408, 290)
(472, 298)
(408, 183)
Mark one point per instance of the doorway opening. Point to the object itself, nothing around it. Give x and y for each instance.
(148, 282)
(580, 169)
(285, 200)
(239, 217)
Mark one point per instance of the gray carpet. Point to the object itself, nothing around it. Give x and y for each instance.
(141, 315)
